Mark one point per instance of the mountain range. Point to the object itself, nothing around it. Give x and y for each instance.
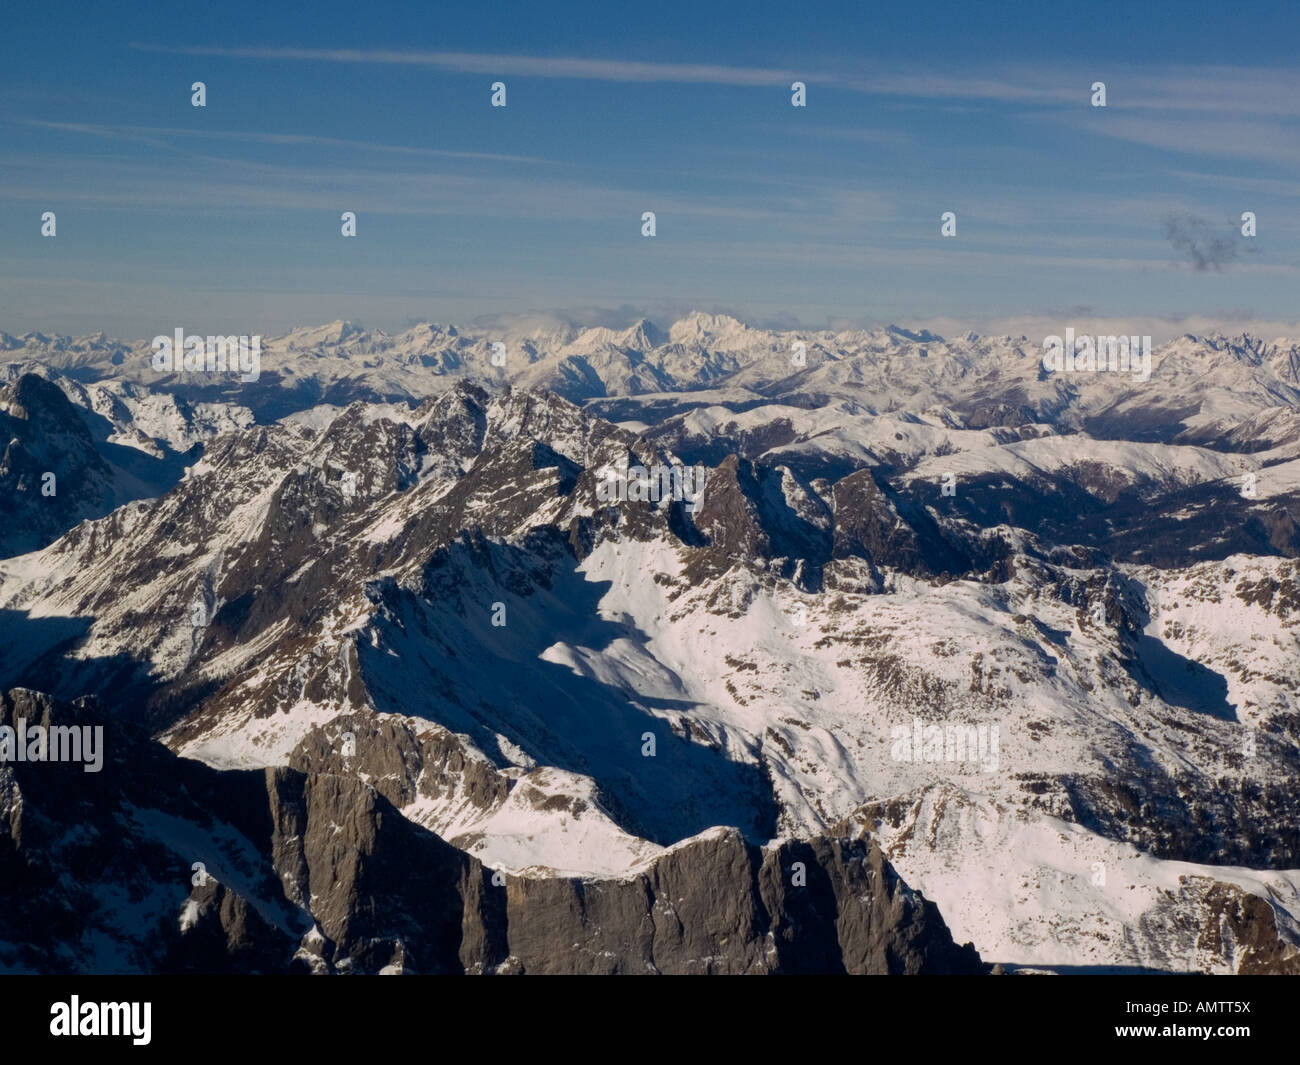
(369, 646)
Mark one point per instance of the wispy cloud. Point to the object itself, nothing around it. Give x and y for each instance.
(553, 195)
(840, 133)
(1266, 141)
(1205, 89)
(153, 134)
(1036, 90)
(1262, 186)
(1200, 90)
(518, 65)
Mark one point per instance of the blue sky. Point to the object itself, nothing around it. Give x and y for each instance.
(226, 218)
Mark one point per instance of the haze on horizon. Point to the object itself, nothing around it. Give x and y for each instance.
(226, 218)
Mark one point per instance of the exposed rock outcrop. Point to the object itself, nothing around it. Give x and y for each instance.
(157, 863)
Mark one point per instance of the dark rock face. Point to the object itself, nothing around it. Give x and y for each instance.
(318, 872)
(890, 531)
(222, 932)
(730, 515)
(96, 867)
(1192, 817)
(385, 892)
(50, 470)
(718, 905)
(1248, 922)
(399, 763)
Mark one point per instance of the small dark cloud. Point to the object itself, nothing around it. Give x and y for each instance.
(1204, 244)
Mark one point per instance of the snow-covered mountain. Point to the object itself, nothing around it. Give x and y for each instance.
(386, 569)
(1197, 384)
